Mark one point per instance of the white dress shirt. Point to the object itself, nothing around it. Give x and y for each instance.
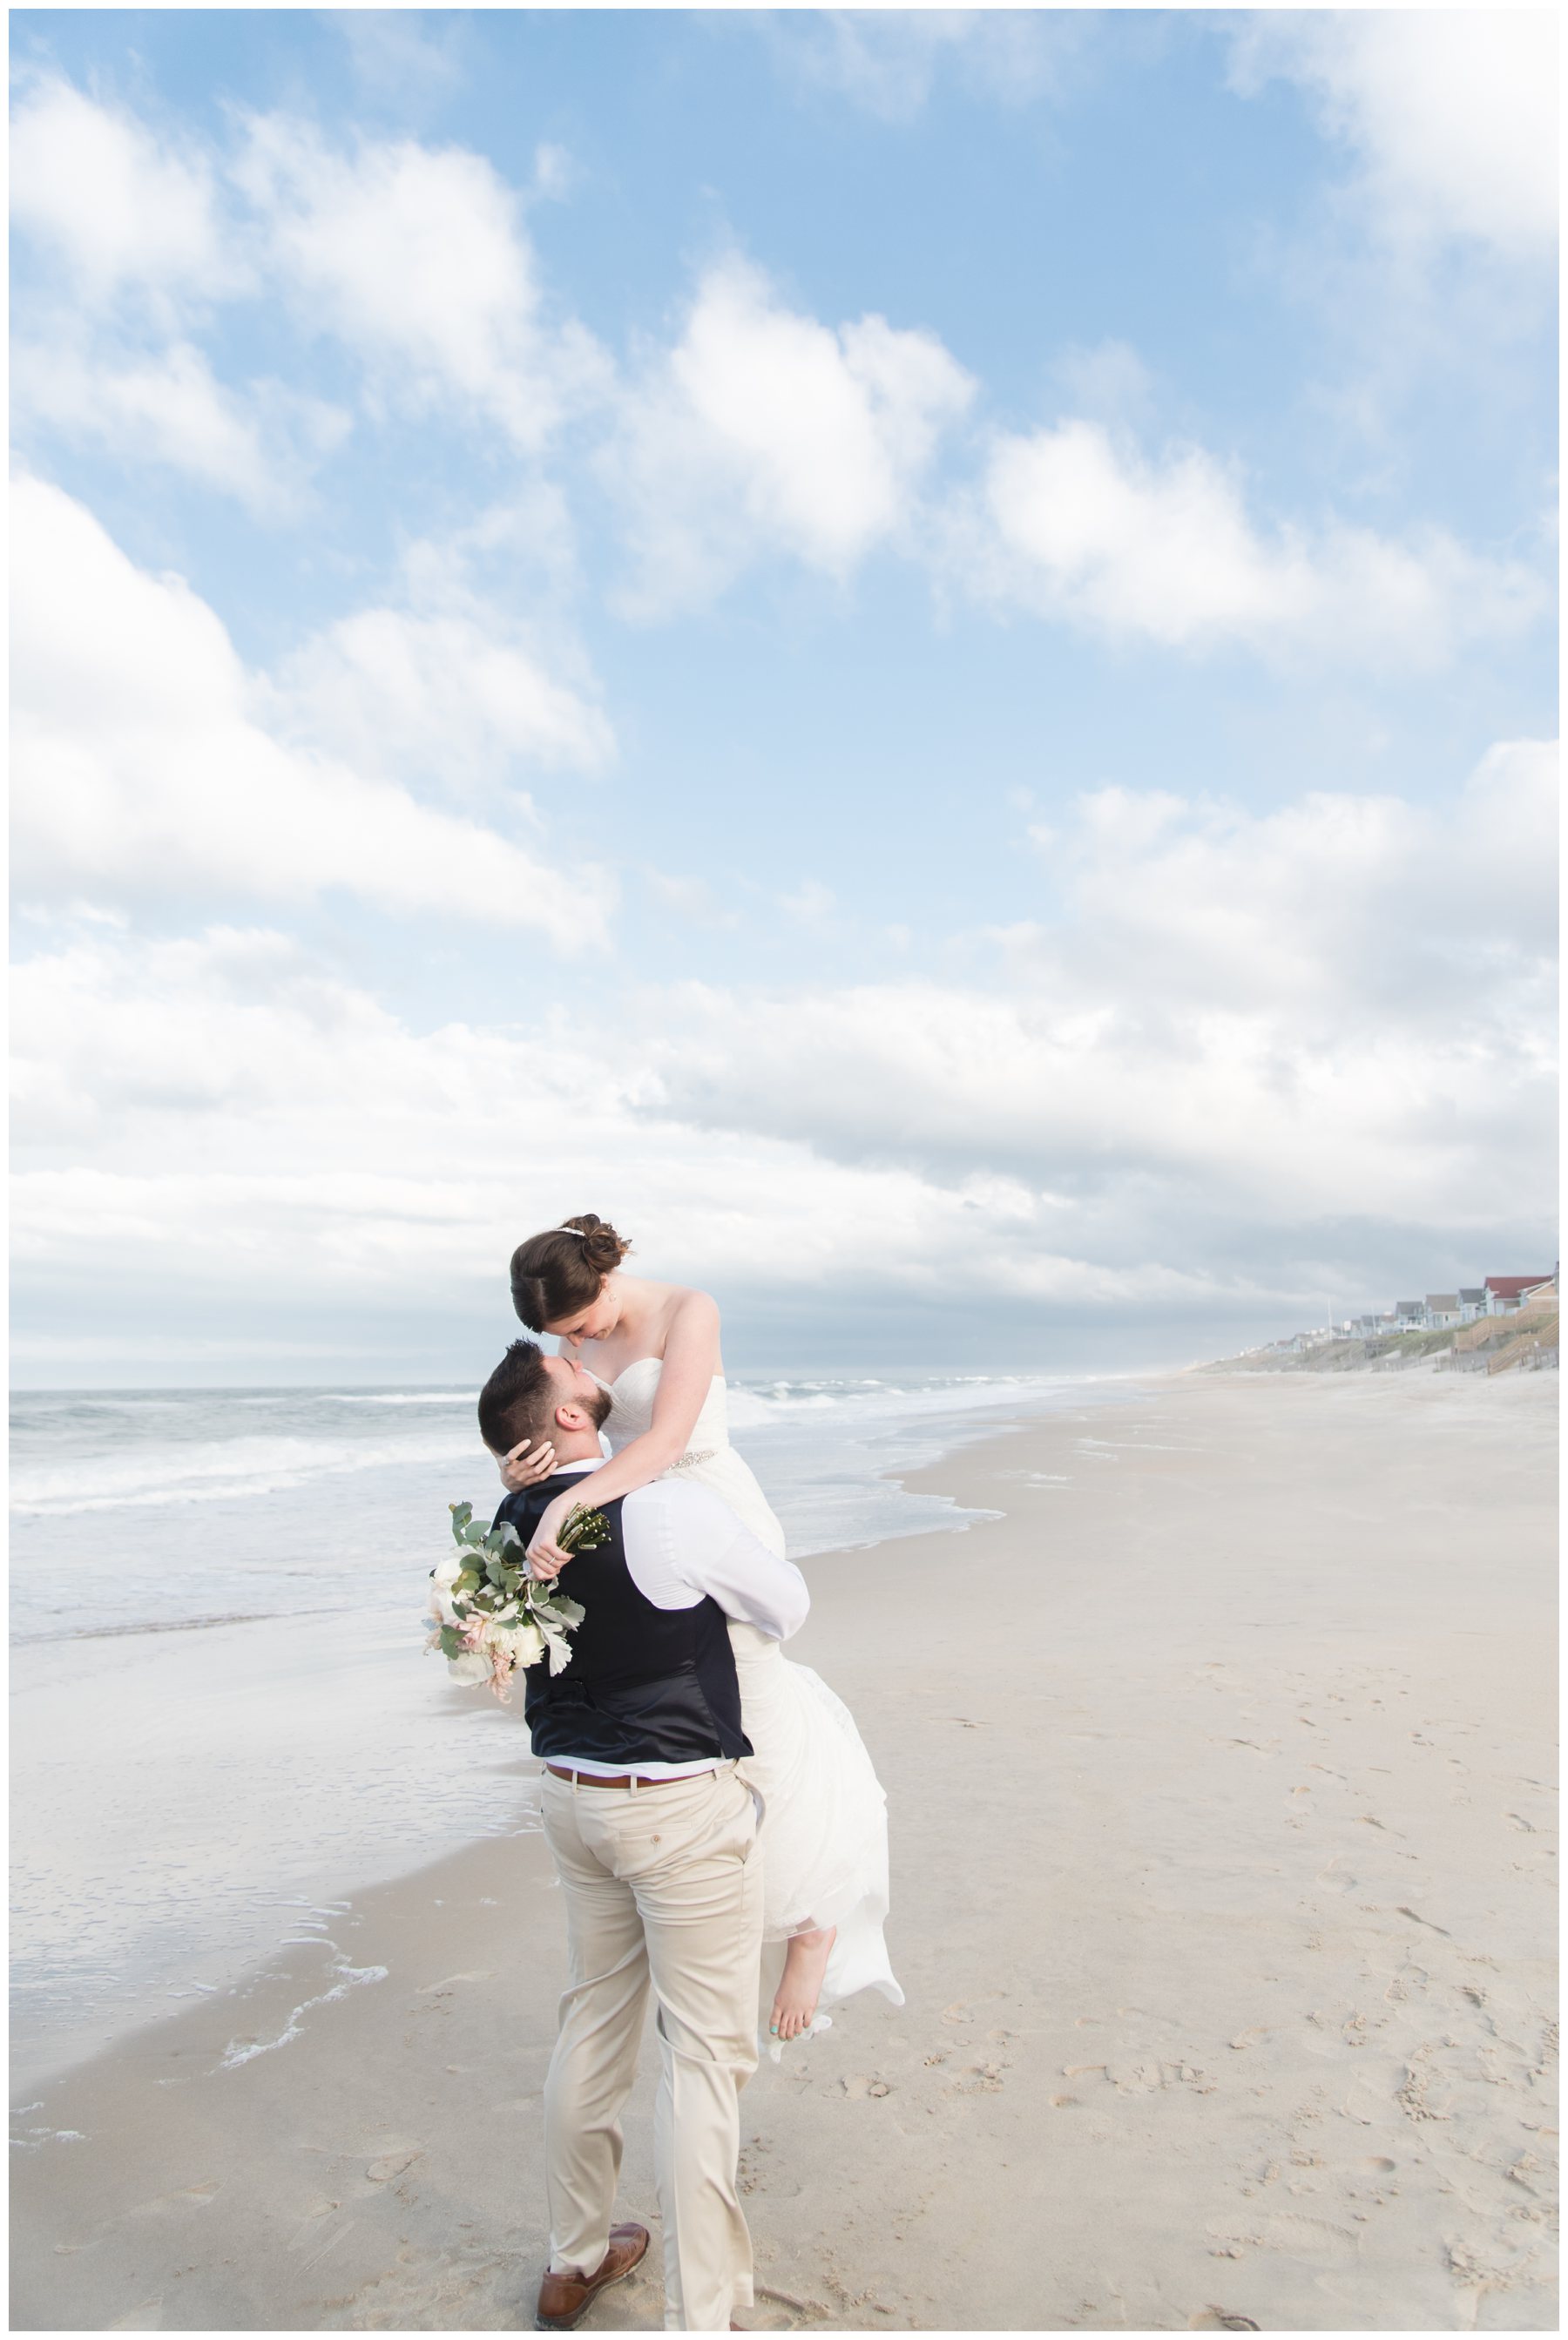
(683, 1543)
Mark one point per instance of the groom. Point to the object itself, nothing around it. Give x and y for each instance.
(654, 1838)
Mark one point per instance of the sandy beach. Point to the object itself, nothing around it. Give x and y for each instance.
(1221, 1775)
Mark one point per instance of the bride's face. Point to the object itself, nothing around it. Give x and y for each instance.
(595, 1323)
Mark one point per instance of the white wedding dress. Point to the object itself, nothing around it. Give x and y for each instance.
(823, 1832)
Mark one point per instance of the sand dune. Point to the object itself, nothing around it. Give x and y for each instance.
(1222, 1795)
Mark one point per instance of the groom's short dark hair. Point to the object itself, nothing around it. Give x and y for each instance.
(517, 1401)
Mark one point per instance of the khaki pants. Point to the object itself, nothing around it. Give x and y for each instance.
(662, 1884)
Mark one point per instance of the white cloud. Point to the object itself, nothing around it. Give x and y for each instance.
(690, 900)
(1108, 380)
(764, 431)
(143, 766)
(216, 1124)
(555, 172)
(407, 57)
(1451, 113)
(168, 407)
(888, 61)
(1337, 914)
(1079, 523)
(446, 693)
(121, 206)
(812, 904)
(417, 257)
(1257, 1048)
(140, 242)
(1243, 1023)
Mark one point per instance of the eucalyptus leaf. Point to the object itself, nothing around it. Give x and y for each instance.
(492, 1586)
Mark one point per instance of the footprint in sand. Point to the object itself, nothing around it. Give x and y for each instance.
(788, 2312)
(981, 2079)
(1304, 2237)
(148, 2317)
(760, 2174)
(392, 2164)
(309, 2230)
(183, 2197)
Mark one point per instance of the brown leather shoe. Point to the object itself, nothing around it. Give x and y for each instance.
(564, 2299)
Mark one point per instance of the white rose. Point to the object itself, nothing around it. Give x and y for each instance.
(526, 1643)
(469, 1668)
(441, 1580)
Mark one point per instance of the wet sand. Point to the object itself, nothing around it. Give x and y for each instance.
(1220, 1771)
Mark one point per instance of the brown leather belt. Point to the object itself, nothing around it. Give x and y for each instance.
(628, 1779)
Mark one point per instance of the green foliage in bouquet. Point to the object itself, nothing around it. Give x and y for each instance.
(489, 1615)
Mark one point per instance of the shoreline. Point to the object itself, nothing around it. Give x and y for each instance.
(1184, 1908)
(137, 1888)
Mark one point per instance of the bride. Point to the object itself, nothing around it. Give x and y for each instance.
(654, 1347)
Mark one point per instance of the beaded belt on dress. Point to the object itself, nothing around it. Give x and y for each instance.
(684, 1461)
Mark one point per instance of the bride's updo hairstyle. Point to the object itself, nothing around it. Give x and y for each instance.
(555, 1274)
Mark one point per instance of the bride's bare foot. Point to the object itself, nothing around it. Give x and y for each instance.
(805, 1964)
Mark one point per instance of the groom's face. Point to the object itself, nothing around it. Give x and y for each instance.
(571, 1385)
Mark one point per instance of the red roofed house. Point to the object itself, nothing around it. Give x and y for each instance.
(1504, 1292)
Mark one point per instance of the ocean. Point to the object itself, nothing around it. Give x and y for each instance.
(221, 1718)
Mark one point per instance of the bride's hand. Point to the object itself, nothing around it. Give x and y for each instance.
(526, 1466)
(545, 1558)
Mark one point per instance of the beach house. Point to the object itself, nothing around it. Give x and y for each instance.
(1505, 1294)
(1472, 1301)
(1443, 1309)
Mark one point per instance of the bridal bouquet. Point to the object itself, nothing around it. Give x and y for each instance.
(489, 1615)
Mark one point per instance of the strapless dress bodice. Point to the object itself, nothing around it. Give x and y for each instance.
(633, 1393)
(708, 1460)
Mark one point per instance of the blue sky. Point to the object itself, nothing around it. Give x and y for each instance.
(912, 653)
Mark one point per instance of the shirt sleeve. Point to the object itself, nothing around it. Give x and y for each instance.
(684, 1542)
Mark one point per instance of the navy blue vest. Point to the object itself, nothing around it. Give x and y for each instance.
(645, 1685)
